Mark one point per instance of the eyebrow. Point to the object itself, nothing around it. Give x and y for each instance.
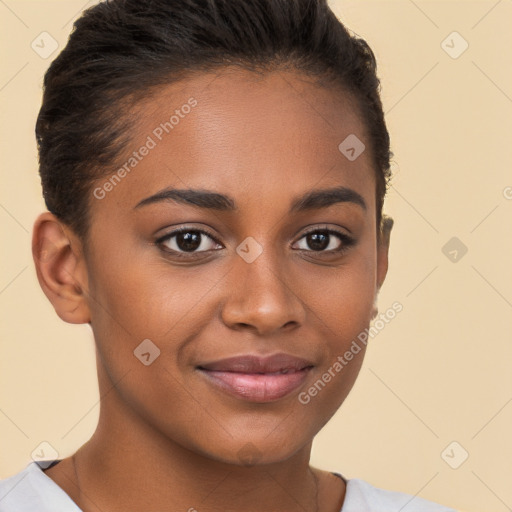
(314, 199)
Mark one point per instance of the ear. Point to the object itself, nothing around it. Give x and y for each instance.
(60, 268)
(382, 255)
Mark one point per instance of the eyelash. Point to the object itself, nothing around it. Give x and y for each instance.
(346, 240)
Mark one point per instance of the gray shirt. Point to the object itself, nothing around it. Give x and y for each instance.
(32, 490)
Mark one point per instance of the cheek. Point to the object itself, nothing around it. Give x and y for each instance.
(148, 299)
(343, 297)
(342, 308)
(135, 304)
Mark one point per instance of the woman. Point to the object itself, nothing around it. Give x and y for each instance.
(215, 174)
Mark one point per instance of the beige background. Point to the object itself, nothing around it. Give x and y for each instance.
(439, 372)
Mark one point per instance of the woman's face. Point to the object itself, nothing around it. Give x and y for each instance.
(254, 283)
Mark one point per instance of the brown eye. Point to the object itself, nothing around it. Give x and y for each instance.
(188, 241)
(318, 241)
(325, 240)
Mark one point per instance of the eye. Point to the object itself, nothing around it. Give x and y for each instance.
(188, 240)
(326, 240)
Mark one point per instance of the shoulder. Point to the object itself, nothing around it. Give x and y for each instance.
(361, 495)
(31, 489)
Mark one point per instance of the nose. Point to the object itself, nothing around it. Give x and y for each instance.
(262, 297)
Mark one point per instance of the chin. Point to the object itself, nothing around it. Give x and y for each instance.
(249, 453)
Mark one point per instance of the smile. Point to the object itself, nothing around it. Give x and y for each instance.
(257, 378)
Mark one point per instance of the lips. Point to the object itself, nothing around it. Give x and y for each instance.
(257, 364)
(255, 378)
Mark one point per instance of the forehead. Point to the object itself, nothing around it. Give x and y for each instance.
(244, 134)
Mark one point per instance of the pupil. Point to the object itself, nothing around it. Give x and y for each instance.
(188, 241)
(318, 241)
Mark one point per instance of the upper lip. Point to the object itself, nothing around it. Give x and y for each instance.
(258, 364)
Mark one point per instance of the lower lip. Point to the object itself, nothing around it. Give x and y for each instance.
(256, 387)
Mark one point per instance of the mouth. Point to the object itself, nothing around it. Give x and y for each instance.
(257, 379)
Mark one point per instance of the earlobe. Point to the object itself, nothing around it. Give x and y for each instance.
(383, 249)
(60, 268)
(386, 226)
(382, 256)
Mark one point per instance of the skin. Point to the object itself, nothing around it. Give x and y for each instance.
(165, 435)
